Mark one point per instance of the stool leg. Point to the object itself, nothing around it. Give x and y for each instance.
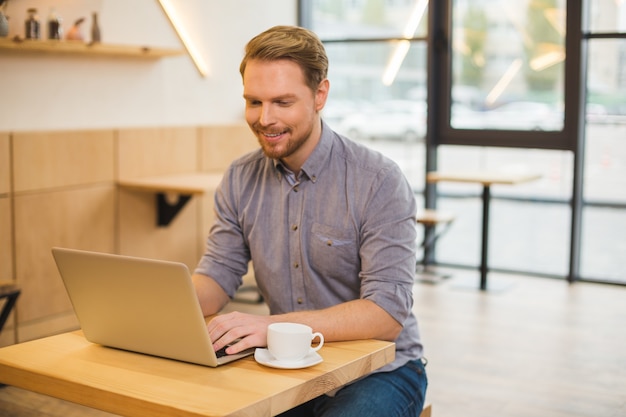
(429, 239)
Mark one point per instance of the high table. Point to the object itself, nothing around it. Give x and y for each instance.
(486, 179)
(68, 367)
(172, 191)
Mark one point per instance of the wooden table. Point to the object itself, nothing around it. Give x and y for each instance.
(68, 367)
(486, 179)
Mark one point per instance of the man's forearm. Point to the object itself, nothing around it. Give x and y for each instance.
(211, 296)
(352, 320)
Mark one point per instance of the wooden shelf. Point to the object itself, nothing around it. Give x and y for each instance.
(193, 183)
(85, 49)
(484, 178)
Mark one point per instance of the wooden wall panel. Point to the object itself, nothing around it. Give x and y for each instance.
(149, 152)
(63, 189)
(7, 336)
(48, 326)
(5, 164)
(44, 160)
(222, 144)
(157, 151)
(140, 236)
(6, 244)
(81, 218)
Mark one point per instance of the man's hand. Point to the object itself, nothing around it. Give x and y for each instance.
(352, 320)
(250, 330)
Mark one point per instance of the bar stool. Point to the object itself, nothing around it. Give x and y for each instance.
(249, 293)
(10, 292)
(435, 223)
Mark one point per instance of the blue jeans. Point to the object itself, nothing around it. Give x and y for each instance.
(399, 393)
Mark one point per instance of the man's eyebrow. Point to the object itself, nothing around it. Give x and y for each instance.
(277, 98)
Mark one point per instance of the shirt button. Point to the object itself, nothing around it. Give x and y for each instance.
(329, 242)
(300, 301)
(295, 189)
(294, 227)
(296, 265)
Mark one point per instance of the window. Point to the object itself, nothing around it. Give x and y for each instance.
(502, 89)
(377, 52)
(508, 65)
(503, 110)
(603, 241)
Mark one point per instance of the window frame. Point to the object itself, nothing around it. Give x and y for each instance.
(439, 132)
(440, 23)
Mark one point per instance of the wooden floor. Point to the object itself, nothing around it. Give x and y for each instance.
(538, 348)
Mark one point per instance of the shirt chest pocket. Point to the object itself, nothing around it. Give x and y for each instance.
(333, 250)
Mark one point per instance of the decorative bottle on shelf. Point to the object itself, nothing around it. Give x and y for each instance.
(4, 25)
(55, 30)
(95, 28)
(32, 25)
(75, 33)
(4, 22)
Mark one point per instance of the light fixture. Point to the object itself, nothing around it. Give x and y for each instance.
(393, 66)
(414, 20)
(402, 47)
(504, 81)
(174, 17)
(546, 60)
(556, 17)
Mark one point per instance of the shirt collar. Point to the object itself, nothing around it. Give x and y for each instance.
(312, 167)
(314, 163)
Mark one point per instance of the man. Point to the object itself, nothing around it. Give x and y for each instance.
(328, 224)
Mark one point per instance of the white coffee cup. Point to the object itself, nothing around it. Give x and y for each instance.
(291, 342)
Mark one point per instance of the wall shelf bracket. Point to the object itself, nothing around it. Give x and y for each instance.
(168, 206)
(173, 192)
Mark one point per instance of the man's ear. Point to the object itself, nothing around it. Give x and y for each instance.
(321, 94)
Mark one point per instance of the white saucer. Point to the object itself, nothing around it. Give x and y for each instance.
(264, 357)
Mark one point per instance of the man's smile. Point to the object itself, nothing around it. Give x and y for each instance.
(273, 136)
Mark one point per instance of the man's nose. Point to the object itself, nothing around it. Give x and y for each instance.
(267, 115)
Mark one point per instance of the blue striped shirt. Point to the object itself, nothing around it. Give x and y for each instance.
(344, 229)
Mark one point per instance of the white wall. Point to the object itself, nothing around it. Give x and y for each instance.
(53, 92)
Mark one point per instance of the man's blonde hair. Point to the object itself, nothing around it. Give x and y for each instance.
(293, 43)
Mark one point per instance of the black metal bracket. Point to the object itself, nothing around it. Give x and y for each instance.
(10, 292)
(166, 211)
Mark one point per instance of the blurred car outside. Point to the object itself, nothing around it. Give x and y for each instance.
(403, 120)
(336, 110)
(524, 115)
(515, 115)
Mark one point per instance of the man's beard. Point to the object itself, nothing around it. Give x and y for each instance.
(282, 150)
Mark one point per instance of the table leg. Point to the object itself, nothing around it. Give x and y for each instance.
(485, 237)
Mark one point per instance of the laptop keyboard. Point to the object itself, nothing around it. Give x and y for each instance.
(222, 352)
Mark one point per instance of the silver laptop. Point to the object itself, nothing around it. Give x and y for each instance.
(140, 305)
